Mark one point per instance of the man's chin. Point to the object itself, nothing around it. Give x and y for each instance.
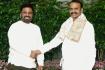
(26, 21)
(74, 17)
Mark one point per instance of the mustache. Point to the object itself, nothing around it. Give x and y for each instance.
(27, 16)
(74, 13)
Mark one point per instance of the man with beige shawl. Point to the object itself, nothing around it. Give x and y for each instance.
(78, 40)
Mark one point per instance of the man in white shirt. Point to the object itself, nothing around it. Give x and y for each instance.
(24, 37)
(77, 38)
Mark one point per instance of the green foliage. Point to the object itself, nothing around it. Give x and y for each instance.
(49, 15)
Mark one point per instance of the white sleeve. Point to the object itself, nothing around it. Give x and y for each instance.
(90, 36)
(91, 41)
(11, 36)
(40, 58)
(57, 40)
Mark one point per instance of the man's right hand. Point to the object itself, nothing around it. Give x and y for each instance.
(35, 53)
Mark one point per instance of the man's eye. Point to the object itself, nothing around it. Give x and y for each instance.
(23, 12)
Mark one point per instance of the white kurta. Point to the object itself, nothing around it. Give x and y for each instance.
(76, 55)
(23, 38)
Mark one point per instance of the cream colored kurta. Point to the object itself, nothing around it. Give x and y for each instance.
(76, 55)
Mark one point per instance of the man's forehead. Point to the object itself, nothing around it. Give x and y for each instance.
(27, 8)
(74, 4)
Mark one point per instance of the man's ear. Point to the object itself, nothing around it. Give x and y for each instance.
(82, 10)
(20, 15)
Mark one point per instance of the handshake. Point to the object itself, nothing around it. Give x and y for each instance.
(35, 53)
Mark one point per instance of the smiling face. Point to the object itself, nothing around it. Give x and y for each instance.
(75, 10)
(26, 14)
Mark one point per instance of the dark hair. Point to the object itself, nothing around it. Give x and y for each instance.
(76, 1)
(27, 5)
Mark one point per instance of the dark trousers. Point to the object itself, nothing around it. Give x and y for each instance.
(13, 67)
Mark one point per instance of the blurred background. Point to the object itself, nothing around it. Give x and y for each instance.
(49, 15)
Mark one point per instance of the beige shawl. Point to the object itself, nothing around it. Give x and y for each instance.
(77, 28)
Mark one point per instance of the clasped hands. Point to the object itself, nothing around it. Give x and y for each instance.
(35, 53)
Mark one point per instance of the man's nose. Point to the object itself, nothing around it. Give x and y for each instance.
(27, 14)
(73, 10)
